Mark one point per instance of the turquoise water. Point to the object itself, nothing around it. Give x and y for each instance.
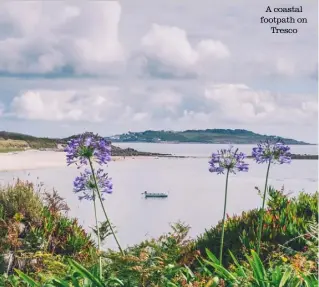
(195, 195)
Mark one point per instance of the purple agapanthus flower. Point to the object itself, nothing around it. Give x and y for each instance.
(88, 146)
(273, 151)
(85, 184)
(228, 159)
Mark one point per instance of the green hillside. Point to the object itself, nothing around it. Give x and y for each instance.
(216, 136)
(21, 141)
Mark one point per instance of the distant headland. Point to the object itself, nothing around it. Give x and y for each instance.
(211, 136)
(14, 142)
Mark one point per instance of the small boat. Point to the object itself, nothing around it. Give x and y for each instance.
(158, 195)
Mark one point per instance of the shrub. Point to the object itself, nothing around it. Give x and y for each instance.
(35, 231)
(285, 218)
(146, 263)
(20, 198)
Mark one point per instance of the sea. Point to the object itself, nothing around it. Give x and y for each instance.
(195, 196)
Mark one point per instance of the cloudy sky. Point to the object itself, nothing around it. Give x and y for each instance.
(130, 65)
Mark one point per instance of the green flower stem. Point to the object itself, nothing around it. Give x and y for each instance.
(103, 208)
(98, 235)
(262, 211)
(223, 223)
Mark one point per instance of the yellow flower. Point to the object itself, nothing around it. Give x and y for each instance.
(284, 259)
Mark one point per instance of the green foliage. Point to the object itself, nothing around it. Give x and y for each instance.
(40, 236)
(285, 218)
(237, 136)
(254, 273)
(20, 198)
(105, 230)
(77, 276)
(43, 244)
(33, 142)
(145, 264)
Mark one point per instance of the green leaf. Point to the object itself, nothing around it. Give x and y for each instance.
(310, 281)
(60, 283)
(115, 280)
(284, 278)
(190, 272)
(222, 271)
(211, 256)
(85, 273)
(258, 269)
(27, 279)
(205, 268)
(240, 270)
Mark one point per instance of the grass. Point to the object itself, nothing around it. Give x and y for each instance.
(10, 145)
(13, 145)
(7, 150)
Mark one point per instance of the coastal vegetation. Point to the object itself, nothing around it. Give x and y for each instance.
(215, 136)
(41, 246)
(22, 141)
(14, 142)
(18, 141)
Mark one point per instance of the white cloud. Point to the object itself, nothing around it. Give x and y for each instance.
(171, 47)
(285, 66)
(140, 117)
(53, 36)
(113, 109)
(230, 103)
(101, 38)
(167, 99)
(161, 68)
(211, 48)
(91, 105)
(240, 103)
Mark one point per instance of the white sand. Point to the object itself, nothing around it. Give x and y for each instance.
(33, 159)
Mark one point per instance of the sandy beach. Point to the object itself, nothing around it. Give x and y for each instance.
(34, 159)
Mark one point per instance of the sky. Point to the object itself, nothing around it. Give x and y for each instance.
(116, 66)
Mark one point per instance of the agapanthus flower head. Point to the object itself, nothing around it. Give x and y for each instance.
(272, 150)
(85, 184)
(88, 146)
(228, 159)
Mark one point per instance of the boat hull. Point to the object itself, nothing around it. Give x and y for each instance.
(155, 195)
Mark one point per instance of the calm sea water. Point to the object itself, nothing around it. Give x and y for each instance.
(205, 149)
(195, 195)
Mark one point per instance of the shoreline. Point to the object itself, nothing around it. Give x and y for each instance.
(36, 159)
(216, 143)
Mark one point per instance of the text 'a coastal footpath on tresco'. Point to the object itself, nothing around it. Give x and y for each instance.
(281, 19)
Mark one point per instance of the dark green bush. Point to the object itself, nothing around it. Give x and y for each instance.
(285, 218)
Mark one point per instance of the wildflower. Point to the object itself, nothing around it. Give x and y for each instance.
(85, 184)
(85, 150)
(88, 147)
(284, 259)
(269, 151)
(272, 151)
(227, 159)
(231, 161)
